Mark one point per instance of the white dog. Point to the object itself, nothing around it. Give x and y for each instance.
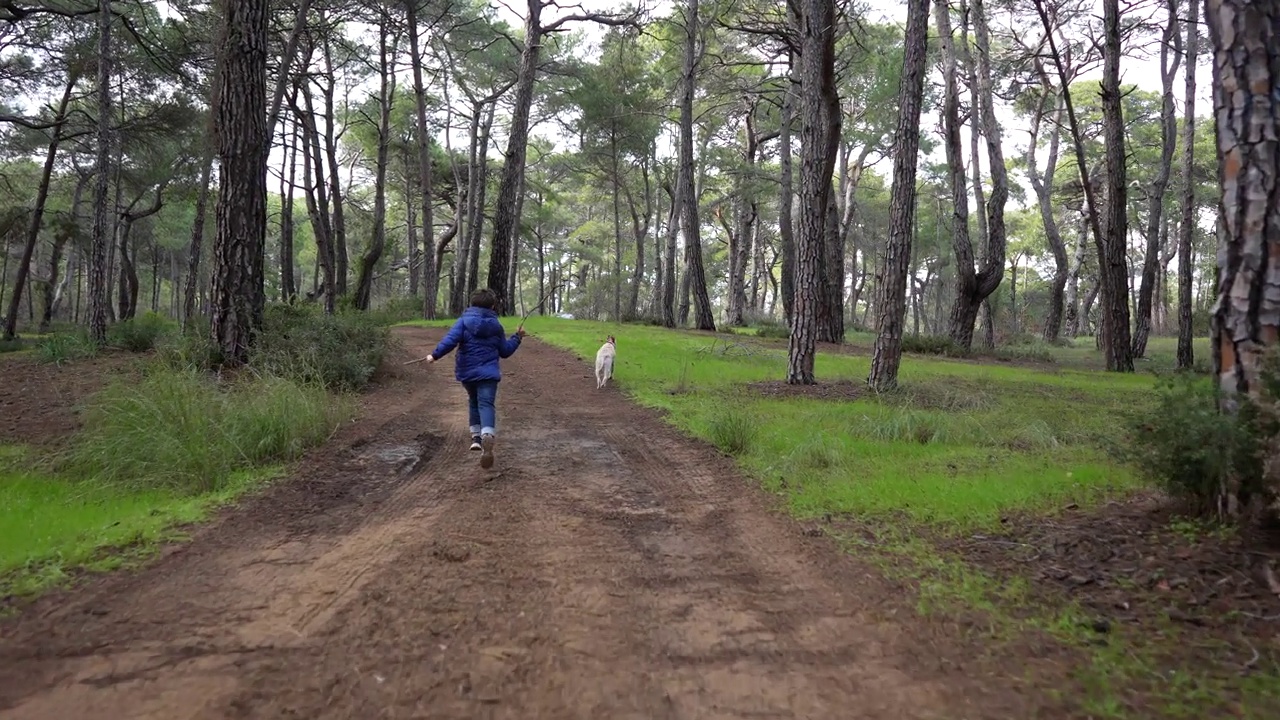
(604, 362)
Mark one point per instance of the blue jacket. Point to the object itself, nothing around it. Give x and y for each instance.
(480, 340)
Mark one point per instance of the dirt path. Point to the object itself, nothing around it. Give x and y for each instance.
(607, 568)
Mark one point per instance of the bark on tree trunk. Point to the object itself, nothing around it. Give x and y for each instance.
(891, 303)
(197, 242)
(240, 112)
(786, 227)
(430, 272)
(288, 287)
(387, 97)
(1245, 36)
(818, 140)
(37, 211)
(669, 282)
(1113, 265)
(1043, 184)
(338, 226)
(1186, 355)
(504, 219)
(974, 286)
(696, 277)
(98, 301)
(1170, 59)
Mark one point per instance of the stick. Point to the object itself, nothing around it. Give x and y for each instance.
(414, 362)
(541, 301)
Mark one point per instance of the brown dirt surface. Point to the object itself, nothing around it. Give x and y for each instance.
(40, 402)
(607, 567)
(1134, 566)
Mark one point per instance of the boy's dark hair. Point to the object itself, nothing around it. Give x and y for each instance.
(484, 298)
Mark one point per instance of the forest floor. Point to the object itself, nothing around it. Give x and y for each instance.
(613, 566)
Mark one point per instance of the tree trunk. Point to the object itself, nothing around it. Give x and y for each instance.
(1245, 37)
(430, 273)
(338, 227)
(504, 218)
(476, 228)
(317, 199)
(744, 220)
(37, 211)
(240, 111)
(1170, 45)
(1113, 266)
(288, 286)
(387, 98)
(669, 274)
(55, 290)
(1186, 355)
(98, 301)
(197, 242)
(891, 303)
(786, 227)
(1072, 295)
(973, 287)
(1112, 263)
(704, 320)
(1042, 184)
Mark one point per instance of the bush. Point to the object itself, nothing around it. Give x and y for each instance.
(733, 430)
(1025, 349)
(772, 329)
(14, 345)
(395, 311)
(140, 334)
(179, 429)
(932, 345)
(302, 343)
(191, 350)
(60, 348)
(1185, 445)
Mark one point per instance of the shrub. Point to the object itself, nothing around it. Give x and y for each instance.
(733, 430)
(60, 348)
(396, 310)
(179, 429)
(302, 343)
(772, 329)
(140, 334)
(1026, 349)
(932, 345)
(190, 350)
(14, 345)
(1184, 444)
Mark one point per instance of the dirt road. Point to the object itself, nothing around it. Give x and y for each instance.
(606, 568)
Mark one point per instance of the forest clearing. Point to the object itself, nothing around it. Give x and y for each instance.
(944, 339)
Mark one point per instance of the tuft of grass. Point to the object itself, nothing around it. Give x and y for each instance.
(17, 344)
(61, 348)
(734, 430)
(180, 431)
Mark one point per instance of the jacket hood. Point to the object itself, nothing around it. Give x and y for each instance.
(481, 322)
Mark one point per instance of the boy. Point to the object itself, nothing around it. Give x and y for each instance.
(481, 341)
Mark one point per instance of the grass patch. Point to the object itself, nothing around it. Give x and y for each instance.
(52, 527)
(60, 348)
(180, 430)
(302, 343)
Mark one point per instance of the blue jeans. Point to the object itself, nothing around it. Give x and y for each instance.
(481, 398)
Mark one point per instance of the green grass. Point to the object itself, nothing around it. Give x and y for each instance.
(52, 527)
(962, 444)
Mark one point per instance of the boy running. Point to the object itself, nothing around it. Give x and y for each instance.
(481, 341)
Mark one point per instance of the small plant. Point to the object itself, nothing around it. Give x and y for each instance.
(1185, 444)
(66, 347)
(772, 330)
(905, 425)
(191, 350)
(734, 430)
(140, 334)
